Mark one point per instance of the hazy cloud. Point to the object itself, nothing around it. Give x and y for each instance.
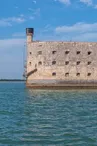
(67, 2)
(77, 28)
(87, 2)
(10, 20)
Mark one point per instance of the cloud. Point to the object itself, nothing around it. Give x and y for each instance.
(67, 2)
(10, 20)
(77, 28)
(95, 6)
(87, 2)
(76, 32)
(34, 2)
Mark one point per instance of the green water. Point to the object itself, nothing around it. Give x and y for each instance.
(47, 118)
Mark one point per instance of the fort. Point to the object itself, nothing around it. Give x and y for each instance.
(58, 64)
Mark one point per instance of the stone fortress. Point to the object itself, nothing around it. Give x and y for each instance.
(60, 64)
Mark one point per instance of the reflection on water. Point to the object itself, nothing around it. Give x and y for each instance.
(47, 118)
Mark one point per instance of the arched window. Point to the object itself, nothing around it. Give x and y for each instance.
(67, 74)
(39, 63)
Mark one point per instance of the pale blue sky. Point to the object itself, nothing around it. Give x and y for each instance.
(74, 20)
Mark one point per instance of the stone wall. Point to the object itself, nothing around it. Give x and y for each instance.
(62, 61)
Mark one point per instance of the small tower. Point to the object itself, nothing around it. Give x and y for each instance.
(29, 33)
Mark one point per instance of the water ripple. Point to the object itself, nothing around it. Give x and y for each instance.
(47, 118)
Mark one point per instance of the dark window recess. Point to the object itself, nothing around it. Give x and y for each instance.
(78, 62)
(67, 52)
(67, 62)
(66, 74)
(54, 52)
(30, 53)
(39, 52)
(78, 52)
(53, 62)
(40, 45)
(54, 74)
(39, 63)
(30, 63)
(89, 63)
(78, 74)
(88, 74)
(89, 52)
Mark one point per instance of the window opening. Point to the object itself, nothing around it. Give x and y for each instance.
(89, 52)
(39, 52)
(67, 52)
(39, 63)
(89, 63)
(54, 52)
(53, 62)
(78, 62)
(78, 52)
(67, 62)
(78, 74)
(66, 74)
(89, 74)
(54, 74)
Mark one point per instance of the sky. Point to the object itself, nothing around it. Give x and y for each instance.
(55, 20)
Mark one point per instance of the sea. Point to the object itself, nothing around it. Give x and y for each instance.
(47, 117)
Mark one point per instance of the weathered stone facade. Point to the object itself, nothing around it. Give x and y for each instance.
(61, 62)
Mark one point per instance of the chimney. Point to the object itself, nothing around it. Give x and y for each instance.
(29, 33)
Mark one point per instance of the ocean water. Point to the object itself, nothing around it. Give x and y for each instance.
(47, 118)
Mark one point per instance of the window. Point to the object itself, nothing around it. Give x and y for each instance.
(53, 62)
(89, 63)
(54, 52)
(39, 52)
(78, 74)
(40, 45)
(67, 62)
(78, 52)
(89, 52)
(67, 52)
(66, 74)
(29, 63)
(39, 63)
(88, 74)
(78, 62)
(54, 74)
(30, 53)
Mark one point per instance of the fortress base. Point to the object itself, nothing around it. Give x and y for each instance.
(62, 86)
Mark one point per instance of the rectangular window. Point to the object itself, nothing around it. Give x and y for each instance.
(89, 63)
(78, 62)
(54, 52)
(54, 74)
(88, 74)
(78, 52)
(39, 52)
(30, 53)
(89, 52)
(53, 62)
(40, 45)
(67, 62)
